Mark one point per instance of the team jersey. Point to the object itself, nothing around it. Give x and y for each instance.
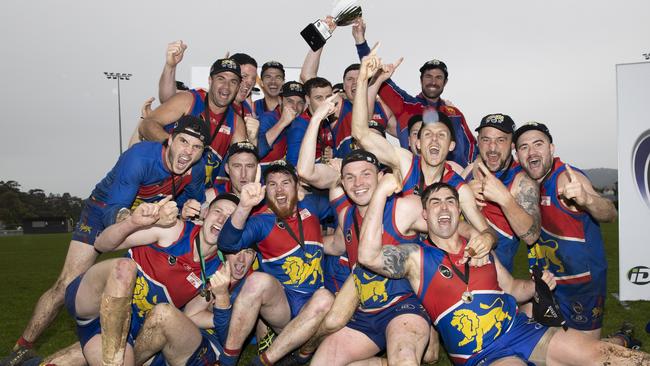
(570, 244)
(414, 182)
(465, 328)
(404, 106)
(296, 133)
(297, 266)
(342, 129)
(375, 292)
(508, 241)
(277, 150)
(141, 175)
(259, 106)
(244, 109)
(168, 274)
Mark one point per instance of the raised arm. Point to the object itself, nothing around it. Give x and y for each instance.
(322, 176)
(310, 66)
(393, 156)
(271, 134)
(574, 186)
(167, 83)
(233, 237)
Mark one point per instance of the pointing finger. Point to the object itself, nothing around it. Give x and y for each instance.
(164, 201)
(571, 174)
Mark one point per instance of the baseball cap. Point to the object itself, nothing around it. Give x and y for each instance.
(227, 196)
(378, 127)
(546, 310)
(192, 126)
(243, 147)
(291, 88)
(272, 65)
(280, 166)
(225, 64)
(337, 88)
(360, 155)
(435, 64)
(530, 126)
(499, 121)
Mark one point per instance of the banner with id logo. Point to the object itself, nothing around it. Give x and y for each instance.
(633, 92)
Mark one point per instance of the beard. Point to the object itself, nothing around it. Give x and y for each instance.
(284, 213)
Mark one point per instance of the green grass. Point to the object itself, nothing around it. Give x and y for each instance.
(29, 265)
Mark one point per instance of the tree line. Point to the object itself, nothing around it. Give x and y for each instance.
(16, 205)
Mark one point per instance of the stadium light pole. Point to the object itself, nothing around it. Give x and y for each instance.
(118, 76)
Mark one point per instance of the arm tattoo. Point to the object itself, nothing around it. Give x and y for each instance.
(395, 257)
(528, 199)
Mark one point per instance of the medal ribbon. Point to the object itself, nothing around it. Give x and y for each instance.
(300, 241)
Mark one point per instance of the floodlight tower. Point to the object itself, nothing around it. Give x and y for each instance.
(118, 76)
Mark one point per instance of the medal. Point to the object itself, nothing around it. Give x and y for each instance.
(467, 297)
(206, 294)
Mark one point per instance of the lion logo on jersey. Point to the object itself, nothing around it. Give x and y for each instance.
(140, 292)
(300, 271)
(539, 253)
(370, 289)
(474, 326)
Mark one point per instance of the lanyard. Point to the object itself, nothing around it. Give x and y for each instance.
(356, 223)
(463, 277)
(422, 186)
(300, 241)
(204, 290)
(206, 116)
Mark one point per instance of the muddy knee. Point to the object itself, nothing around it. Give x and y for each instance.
(123, 275)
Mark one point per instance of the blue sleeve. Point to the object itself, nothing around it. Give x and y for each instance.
(295, 135)
(196, 188)
(221, 320)
(129, 172)
(232, 240)
(267, 121)
(363, 50)
(320, 205)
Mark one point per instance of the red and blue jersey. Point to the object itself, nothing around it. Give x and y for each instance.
(405, 106)
(375, 292)
(141, 175)
(296, 133)
(508, 241)
(570, 244)
(414, 182)
(260, 107)
(465, 328)
(168, 274)
(297, 266)
(277, 150)
(342, 129)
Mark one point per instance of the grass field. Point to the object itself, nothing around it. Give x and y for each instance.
(29, 265)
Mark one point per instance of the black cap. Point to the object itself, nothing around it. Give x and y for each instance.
(530, 126)
(181, 85)
(192, 126)
(499, 121)
(280, 166)
(337, 88)
(413, 120)
(360, 155)
(244, 59)
(546, 310)
(377, 126)
(243, 147)
(291, 88)
(441, 118)
(272, 65)
(435, 64)
(227, 196)
(225, 64)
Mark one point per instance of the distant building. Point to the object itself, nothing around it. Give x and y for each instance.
(47, 225)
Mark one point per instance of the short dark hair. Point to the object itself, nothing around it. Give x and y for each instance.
(244, 59)
(435, 187)
(351, 68)
(225, 196)
(445, 120)
(315, 82)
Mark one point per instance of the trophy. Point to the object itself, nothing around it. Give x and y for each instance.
(317, 33)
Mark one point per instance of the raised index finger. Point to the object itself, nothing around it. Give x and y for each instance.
(571, 173)
(163, 201)
(483, 169)
(373, 51)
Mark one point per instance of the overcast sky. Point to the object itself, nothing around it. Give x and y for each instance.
(550, 61)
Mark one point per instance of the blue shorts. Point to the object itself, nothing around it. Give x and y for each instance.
(519, 341)
(335, 272)
(90, 223)
(582, 312)
(206, 354)
(374, 325)
(296, 300)
(86, 328)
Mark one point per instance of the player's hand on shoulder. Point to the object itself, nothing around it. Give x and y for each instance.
(168, 212)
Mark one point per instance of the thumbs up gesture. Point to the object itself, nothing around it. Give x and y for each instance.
(574, 189)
